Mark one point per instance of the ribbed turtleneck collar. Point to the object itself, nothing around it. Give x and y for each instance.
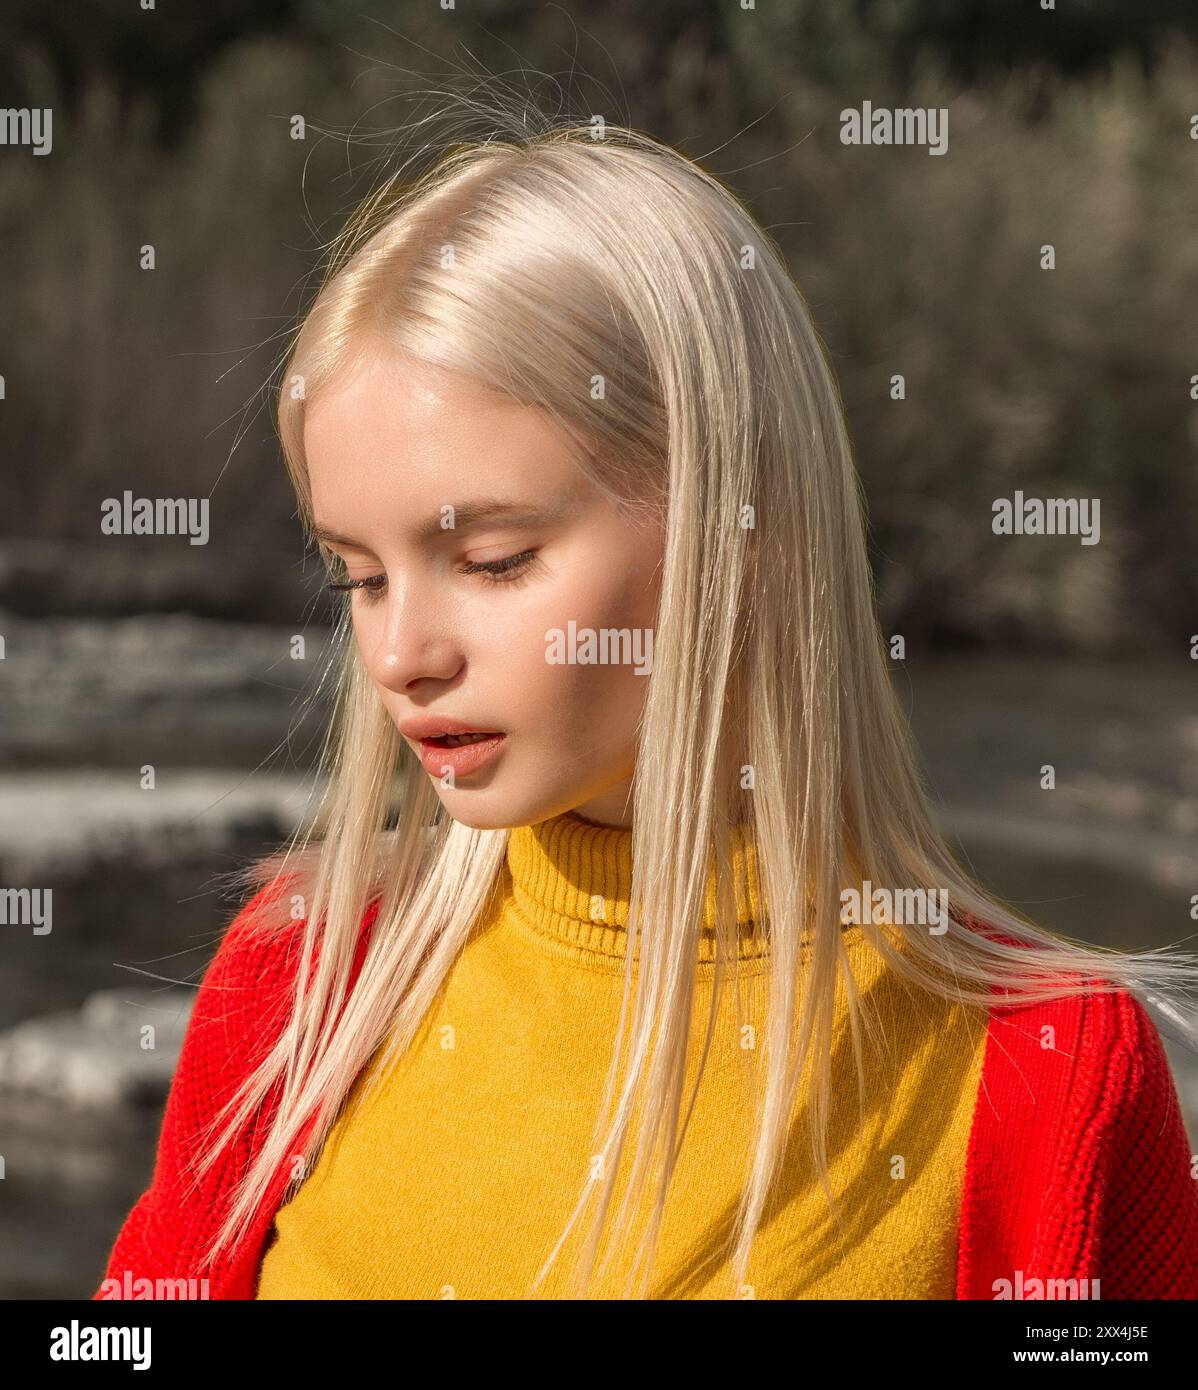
(571, 882)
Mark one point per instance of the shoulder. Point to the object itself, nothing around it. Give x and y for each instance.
(244, 1000)
(1098, 1039)
(253, 968)
(249, 984)
(1079, 1160)
(1094, 1054)
(1094, 1060)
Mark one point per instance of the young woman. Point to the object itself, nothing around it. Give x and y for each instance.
(662, 868)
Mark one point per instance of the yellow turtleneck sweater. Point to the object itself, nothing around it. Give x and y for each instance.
(457, 1176)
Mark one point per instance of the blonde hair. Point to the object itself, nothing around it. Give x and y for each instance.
(532, 264)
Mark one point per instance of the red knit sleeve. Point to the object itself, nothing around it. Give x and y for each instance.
(1079, 1165)
(242, 997)
(1146, 1200)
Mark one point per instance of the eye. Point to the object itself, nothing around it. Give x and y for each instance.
(504, 571)
(501, 571)
(371, 586)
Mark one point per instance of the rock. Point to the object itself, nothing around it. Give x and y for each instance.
(97, 1058)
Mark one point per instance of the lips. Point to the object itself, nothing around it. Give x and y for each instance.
(436, 727)
(457, 751)
(459, 740)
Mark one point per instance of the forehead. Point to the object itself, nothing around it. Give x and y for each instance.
(401, 430)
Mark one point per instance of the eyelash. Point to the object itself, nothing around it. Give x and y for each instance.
(492, 571)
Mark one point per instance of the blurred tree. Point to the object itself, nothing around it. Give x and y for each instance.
(158, 53)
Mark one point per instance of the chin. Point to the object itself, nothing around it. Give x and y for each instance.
(475, 818)
(486, 809)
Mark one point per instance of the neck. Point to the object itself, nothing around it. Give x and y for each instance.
(572, 881)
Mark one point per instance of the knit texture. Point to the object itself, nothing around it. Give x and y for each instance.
(1075, 1164)
(1080, 1169)
(456, 1176)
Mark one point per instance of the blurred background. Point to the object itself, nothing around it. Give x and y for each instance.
(1073, 128)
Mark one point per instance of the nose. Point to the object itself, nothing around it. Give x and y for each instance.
(410, 640)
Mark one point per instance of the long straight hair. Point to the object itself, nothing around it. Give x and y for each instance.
(541, 264)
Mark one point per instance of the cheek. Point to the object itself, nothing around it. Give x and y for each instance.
(367, 624)
(584, 700)
(582, 716)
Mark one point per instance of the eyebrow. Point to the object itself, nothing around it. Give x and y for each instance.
(465, 515)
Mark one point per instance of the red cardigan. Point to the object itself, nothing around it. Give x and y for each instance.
(1078, 1165)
